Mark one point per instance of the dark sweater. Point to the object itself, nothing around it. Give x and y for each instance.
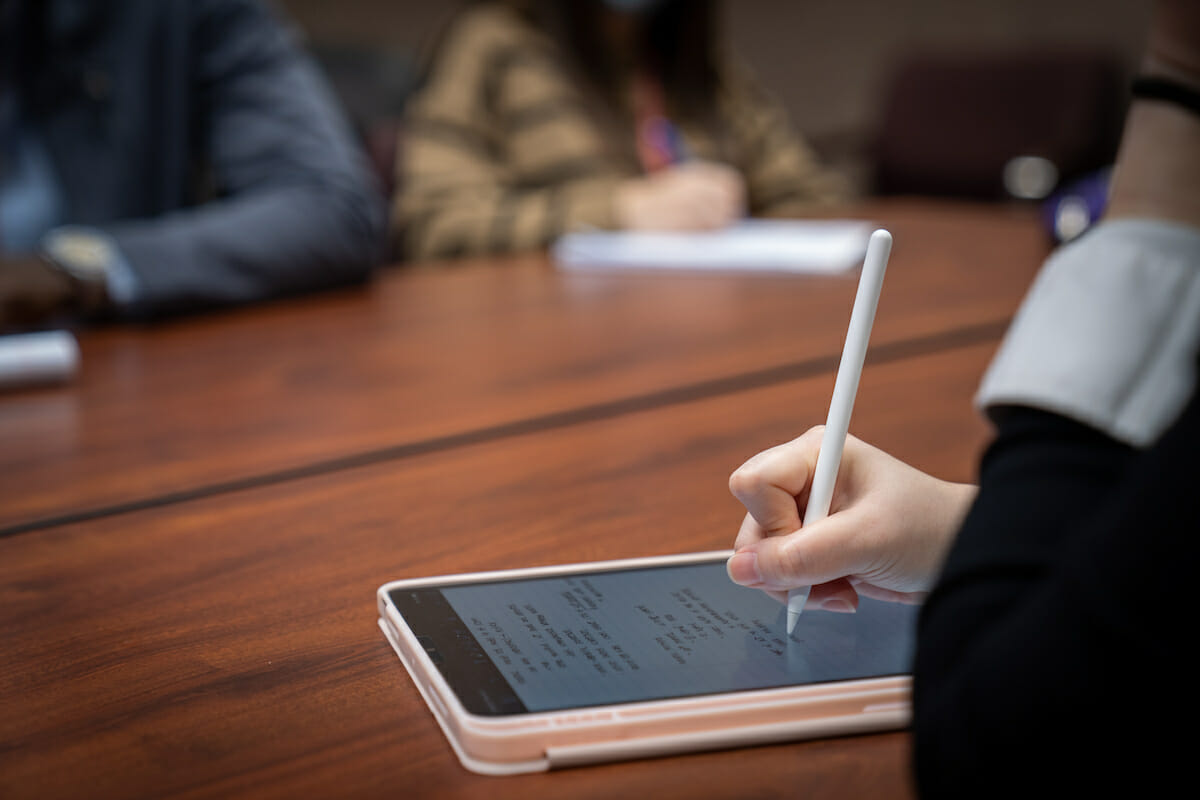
(1053, 653)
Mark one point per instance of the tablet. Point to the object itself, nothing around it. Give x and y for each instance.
(534, 669)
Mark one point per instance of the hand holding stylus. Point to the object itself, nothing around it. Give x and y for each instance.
(888, 530)
(773, 495)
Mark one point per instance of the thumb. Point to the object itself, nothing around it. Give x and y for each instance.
(822, 552)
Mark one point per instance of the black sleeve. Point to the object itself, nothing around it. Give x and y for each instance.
(1053, 653)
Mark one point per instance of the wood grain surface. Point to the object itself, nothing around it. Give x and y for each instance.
(425, 358)
(226, 646)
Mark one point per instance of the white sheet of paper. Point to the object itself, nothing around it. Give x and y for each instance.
(799, 246)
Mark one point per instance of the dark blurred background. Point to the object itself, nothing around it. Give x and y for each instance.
(905, 96)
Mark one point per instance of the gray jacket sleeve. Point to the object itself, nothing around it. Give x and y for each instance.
(297, 207)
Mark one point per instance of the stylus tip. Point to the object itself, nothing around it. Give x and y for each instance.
(795, 604)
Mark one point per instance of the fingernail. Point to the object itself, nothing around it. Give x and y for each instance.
(743, 568)
(839, 605)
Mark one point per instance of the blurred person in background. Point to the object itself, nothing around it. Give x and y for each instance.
(539, 117)
(169, 155)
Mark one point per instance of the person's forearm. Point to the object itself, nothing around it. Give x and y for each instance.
(249, 248)
(437, 225)
(488, 219)
(1158, 166)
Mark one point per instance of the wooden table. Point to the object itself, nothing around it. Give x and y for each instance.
(427, 358)
(192, 614)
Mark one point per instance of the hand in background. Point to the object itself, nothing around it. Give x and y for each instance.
(887, 533)
(695, 195)
(32, 290)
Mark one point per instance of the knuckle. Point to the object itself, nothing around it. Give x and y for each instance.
(746, 479)
(815, 433)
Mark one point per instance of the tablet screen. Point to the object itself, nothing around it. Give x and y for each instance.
(633, 635)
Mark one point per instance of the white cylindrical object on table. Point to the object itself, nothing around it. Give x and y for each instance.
(37, 359)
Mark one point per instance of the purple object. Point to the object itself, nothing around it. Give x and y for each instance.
(1075, 208)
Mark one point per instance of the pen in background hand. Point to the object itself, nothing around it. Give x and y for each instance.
(660, 144)
(845, 387)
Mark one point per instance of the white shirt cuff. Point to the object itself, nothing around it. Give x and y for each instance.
(1108, 333)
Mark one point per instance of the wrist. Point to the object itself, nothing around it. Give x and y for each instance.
(85, 260)
(954, 504)
(1158, 166)
(1159, 161)
(87, 294)
(1157, 88)
(32, 291)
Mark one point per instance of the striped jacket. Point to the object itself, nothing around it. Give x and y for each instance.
(502, 152)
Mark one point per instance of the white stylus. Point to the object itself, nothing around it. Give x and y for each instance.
(845, 387)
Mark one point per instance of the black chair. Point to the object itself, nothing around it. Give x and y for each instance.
(958, 124)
